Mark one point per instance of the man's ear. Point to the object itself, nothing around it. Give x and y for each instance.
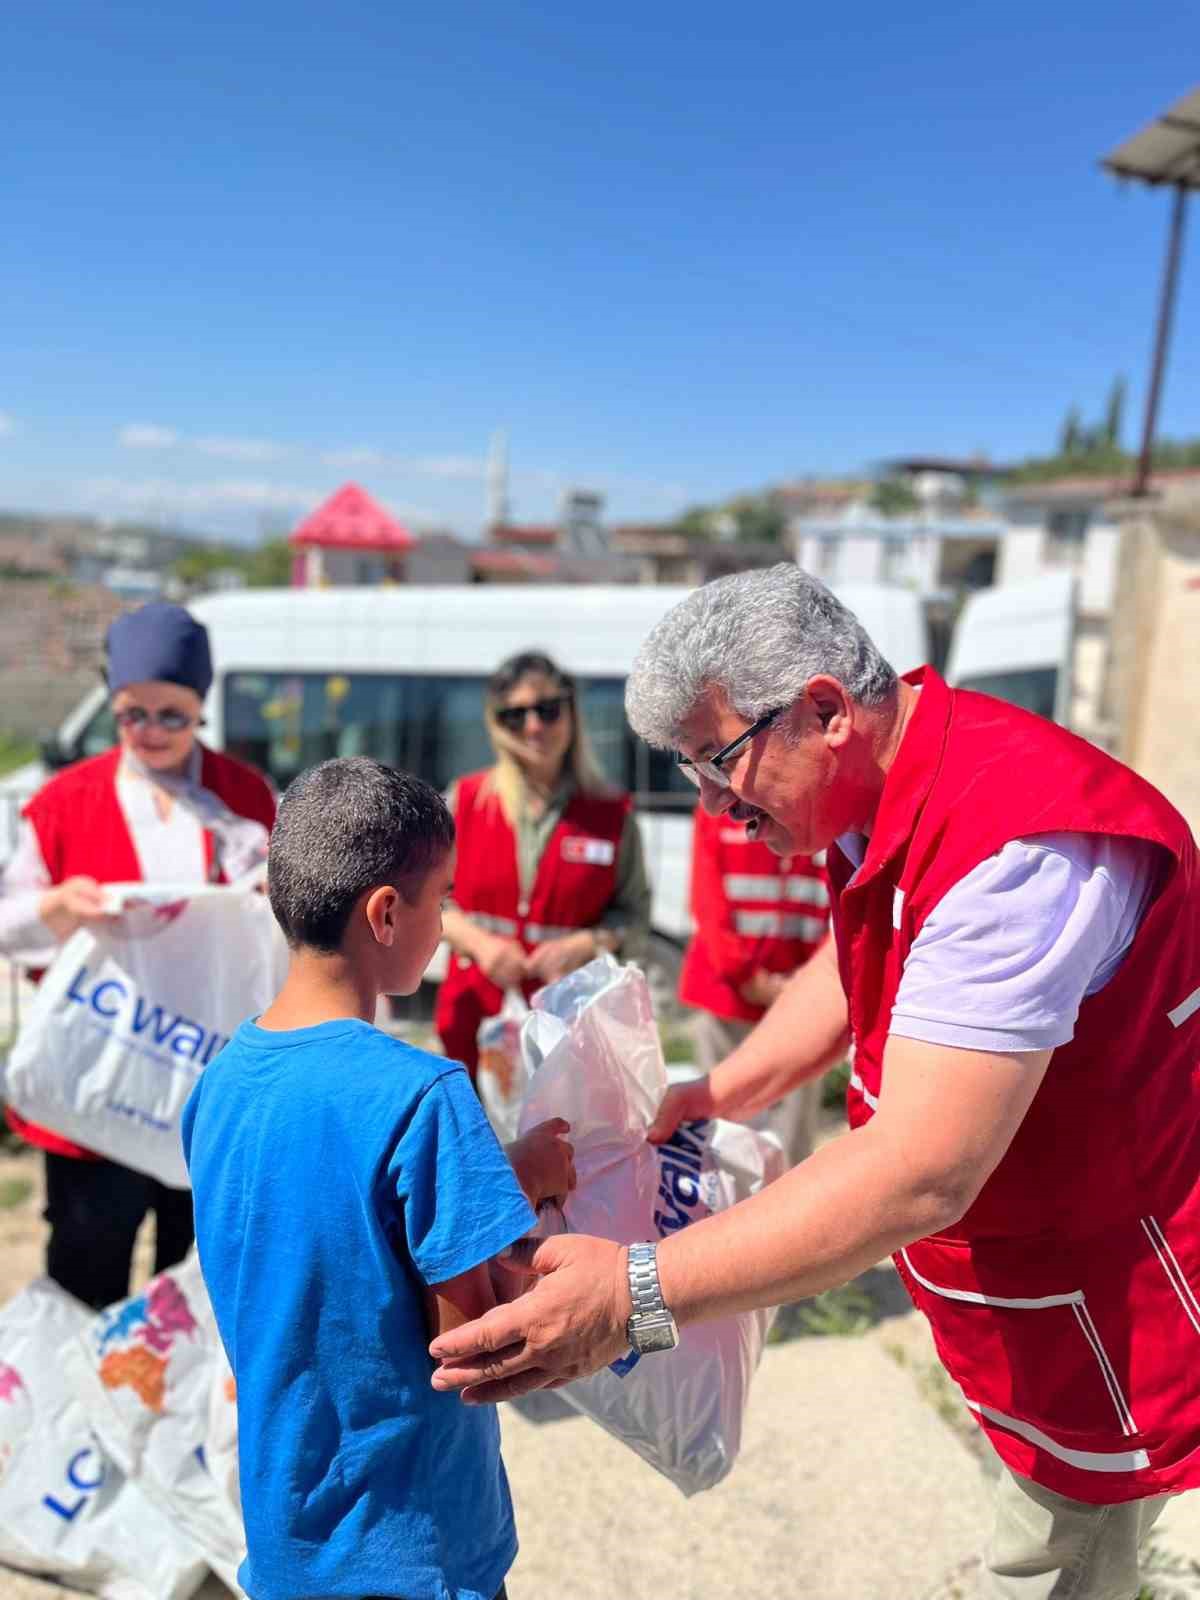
(833, 707)
(381, 911)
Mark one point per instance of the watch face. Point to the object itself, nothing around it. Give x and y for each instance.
(654, 1333)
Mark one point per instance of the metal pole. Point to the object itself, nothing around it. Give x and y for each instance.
(1166, 306)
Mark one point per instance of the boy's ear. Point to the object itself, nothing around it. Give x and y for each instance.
(381, 911)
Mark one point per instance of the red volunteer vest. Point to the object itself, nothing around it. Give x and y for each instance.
(753, 910)
(1066, 1303)
(82, 832)
(575, 881)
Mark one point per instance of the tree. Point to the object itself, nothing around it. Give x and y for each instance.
(892, 497)
(747, 519)
(270, 565)
(1115, 414)
(1070, 438)
(696, 522)
(757, 518)
(264, 566)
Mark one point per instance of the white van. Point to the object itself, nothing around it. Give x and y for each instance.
(1018, 643)
(398, 673)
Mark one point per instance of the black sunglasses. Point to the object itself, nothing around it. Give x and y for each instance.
(170, 720)
(548, 711)
(713, 767)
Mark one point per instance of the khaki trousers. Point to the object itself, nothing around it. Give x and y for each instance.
(793, 1120)
(1046, 1547)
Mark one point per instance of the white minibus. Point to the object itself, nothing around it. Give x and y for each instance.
(398, 673)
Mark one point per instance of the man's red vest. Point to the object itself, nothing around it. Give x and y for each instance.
(82, 832)
(1066, 1302)
(575, 881)
(753, 910)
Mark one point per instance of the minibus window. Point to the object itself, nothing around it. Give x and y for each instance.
(1034, 689)
(284, 722)
(603, 701)
(445, 734)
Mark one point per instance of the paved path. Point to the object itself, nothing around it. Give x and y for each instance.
(848, 1485)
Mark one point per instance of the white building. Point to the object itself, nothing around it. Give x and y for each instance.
(1036, 529)
(934, 555)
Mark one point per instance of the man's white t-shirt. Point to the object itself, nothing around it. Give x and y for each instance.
(1008, 955)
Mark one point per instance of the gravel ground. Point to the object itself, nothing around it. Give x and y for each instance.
(859, 1477)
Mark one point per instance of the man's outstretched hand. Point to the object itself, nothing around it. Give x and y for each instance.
(683, 1102)
(571, 1323)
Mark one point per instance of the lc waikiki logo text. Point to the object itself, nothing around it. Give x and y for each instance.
(129, 1015)
(680, 1163)
(85, 1469)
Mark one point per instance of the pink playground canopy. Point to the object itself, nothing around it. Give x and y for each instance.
(351, 520)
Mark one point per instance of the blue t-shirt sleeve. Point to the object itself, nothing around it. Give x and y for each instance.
(460, 1198)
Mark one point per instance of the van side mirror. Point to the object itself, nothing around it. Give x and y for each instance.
(55, 755)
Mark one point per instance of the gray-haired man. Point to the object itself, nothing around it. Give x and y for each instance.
(1002, 893)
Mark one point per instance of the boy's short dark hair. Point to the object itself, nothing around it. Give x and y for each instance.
(344, 827)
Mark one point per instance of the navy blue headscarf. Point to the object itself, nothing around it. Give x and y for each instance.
(158, 643)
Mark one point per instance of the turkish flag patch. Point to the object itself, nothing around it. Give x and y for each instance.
(588, 852)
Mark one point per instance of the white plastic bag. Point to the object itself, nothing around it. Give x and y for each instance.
(129, 1015)
(593, 1048)
(501, 1076)
(66, 1508)
(221, 1440)
(144, 1371)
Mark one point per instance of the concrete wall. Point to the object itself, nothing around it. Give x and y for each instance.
(1089, 716)
(1098, 572)
(1153, 681)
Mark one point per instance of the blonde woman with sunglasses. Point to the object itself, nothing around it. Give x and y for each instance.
(549, 870)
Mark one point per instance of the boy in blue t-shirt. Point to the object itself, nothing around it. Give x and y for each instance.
(349, 1196)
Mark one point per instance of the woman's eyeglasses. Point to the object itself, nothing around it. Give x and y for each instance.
(170, 720)
(548, 711)
(714, 767)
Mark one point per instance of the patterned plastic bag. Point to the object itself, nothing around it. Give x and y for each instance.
(67, 1509)
(144, 1371)
(592, 1047)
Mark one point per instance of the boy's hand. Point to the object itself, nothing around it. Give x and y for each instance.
(544, 1161)
(502, 961)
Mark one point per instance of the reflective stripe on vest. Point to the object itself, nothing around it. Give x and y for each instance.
(502, 925)
(534, 932)
(537, 932)
(778, 925)
(764, 886)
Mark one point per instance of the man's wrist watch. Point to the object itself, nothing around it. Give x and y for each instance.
(651, 1326)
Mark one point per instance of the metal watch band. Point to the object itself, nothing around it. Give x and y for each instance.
(644, 1289)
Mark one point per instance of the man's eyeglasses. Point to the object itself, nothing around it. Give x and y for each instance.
(549, 711)
(170, 720)
(714, 767)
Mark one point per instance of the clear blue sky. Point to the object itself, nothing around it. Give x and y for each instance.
(678, 250)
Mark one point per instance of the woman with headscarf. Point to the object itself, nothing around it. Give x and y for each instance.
(549, 870)
(160, 807)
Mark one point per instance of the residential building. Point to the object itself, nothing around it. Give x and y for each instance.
(659, 552)
(934, 555)
(350, 539)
